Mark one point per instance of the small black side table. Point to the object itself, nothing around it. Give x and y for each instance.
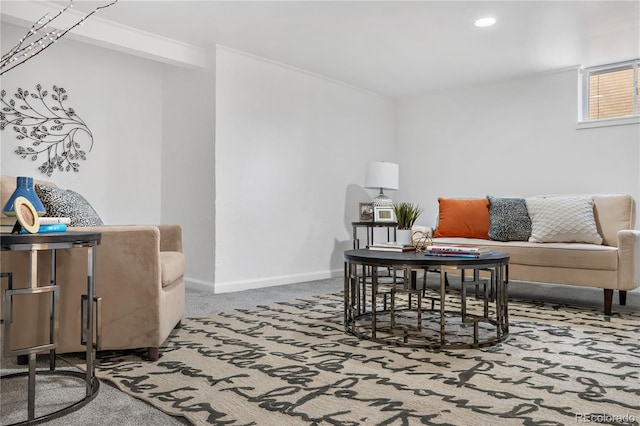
(51, 242)
(369, 227)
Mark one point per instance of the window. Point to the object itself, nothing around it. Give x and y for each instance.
(610, 92)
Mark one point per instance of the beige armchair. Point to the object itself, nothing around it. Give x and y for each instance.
(139, 277)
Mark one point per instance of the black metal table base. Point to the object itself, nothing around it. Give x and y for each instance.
(478, 332)
(89, 329)
(95, 387)
(393, 312)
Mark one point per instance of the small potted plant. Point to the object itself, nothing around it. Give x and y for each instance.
(406, 215)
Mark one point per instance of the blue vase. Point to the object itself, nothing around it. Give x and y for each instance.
(24, 188)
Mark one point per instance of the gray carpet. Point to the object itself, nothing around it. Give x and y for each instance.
(114, 407)
(111, 406)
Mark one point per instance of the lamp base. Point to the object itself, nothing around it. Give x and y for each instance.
(382, 200)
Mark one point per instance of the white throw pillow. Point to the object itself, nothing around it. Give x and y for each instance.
(562, 220)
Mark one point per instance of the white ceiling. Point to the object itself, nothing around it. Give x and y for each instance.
(399, 47)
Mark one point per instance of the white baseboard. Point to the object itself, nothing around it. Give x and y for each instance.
(199, 284)
(229, 286)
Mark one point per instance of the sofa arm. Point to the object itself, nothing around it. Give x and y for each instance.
(421, 235)
(170, 238)
(628, 259)
(426, 230)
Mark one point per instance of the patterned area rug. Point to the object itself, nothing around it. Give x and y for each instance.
(291, 363)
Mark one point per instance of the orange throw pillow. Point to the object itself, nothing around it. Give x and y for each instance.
(463, 218)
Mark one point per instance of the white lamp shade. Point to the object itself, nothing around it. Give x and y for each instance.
(382, 175)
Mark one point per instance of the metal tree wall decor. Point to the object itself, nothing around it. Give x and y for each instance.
(52, 128)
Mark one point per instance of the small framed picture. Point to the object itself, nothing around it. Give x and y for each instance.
(383, 214)
(366, 212)
(26, 215)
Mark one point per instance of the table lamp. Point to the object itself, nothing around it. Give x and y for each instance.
(382, 175)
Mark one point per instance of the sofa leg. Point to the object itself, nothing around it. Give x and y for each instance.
(153, 353)
(608, 299)
(623, 297)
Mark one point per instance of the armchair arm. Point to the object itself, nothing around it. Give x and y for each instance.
(170, 238)
(128, 279)
(628, 259)
(134, 249)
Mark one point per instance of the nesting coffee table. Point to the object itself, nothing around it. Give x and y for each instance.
(390, 309)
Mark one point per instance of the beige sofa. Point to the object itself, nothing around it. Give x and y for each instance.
(613, 265)
(139, 277)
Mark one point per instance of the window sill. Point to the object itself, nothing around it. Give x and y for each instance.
(608, 122)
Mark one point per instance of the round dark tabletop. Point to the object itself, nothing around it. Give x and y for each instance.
(421, 260)
(7, 240)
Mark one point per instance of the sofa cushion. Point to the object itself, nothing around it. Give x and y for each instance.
(508, 219)
(559, 255)
(171, 266)
(462, 217)
(562, 219)
(66, 203)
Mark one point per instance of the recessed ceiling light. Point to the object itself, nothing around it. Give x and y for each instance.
(485, 22)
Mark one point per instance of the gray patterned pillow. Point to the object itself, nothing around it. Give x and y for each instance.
(66, 203)
(508, 219)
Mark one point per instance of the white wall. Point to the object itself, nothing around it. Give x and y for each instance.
(120, 98)
(270, 198)
(512, 138)
(188, 153)
(291, 152)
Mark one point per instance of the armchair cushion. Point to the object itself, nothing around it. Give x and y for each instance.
(171, 266)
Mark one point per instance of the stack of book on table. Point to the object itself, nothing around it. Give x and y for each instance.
(47, 224)
(456, 251)
(391, 246)
(53, 224)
